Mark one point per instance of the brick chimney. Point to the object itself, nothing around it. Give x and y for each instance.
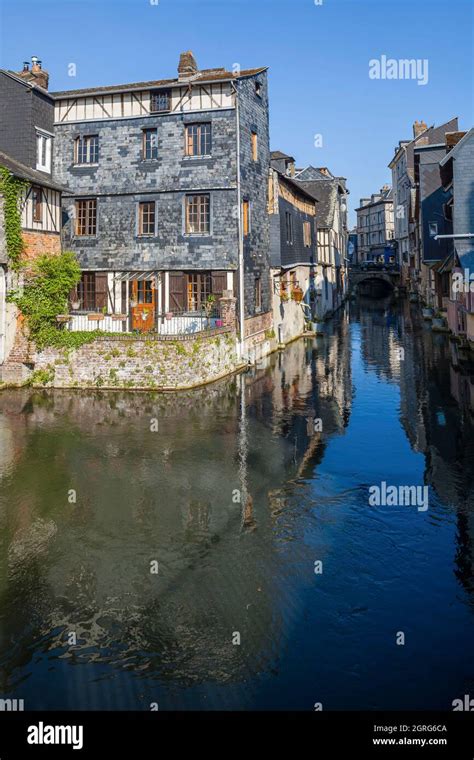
(418, 128)
(35, 75)
(187, 67)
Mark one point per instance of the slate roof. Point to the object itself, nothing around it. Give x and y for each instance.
(202, 77)
(325, 192)
(31, 175)
(277, 154)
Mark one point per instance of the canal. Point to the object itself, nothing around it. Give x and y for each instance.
(216, 549)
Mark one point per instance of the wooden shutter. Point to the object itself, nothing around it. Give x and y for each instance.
(177, 284)
(101, 290)
(219, 283)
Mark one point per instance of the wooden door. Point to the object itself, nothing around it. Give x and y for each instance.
(144, 313)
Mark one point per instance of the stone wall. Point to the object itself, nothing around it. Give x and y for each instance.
(140, 362)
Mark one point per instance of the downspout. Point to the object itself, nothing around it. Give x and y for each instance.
(239, 228)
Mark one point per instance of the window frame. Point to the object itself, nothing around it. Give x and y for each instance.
(289, 227)
(140, 220)
(254, 144)
(37, 203)
(198, 138)
(205, 200)
(153, 148)
(156, 94)
(45, 139)
(88, 224)
(307, 234)
(246, 222)
(82, 147)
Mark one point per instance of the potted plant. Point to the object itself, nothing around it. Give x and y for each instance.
(427, 312)
(297, 294)
(439, 323)
(75, 301)
(133, 301)
(169, 315)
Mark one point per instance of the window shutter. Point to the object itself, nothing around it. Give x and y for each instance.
(101, 290)
(219, 283)
(177, 285)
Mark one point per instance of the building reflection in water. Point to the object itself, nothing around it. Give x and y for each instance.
(226, 563)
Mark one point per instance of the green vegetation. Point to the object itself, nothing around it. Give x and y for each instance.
(11, 189)
(44, 296)
(42, 376)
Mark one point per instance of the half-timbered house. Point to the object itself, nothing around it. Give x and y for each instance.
(26, 136)
(167, 208)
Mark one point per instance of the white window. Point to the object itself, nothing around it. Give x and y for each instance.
(43, 151)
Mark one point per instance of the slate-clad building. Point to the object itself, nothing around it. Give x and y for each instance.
(331, 193)
(26, 153)
(168, 196)
(293, 249)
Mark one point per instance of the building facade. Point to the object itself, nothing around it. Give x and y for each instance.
(457, 174)
(166, 211)
(26, 154)
(331, 193)
(293, 249)
(402, 166)
(375, 227)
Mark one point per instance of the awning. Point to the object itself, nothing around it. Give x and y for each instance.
(447, 264)
(135, 276)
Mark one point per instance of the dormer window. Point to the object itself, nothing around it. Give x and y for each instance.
(160, 100)
(43, 151)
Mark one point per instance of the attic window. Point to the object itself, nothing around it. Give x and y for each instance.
(258, 89)
(160, 100)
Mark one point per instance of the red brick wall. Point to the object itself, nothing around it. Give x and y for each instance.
(37, 243)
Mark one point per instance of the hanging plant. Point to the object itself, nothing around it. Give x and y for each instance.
(11, 188)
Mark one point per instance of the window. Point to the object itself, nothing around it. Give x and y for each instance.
(258, 89)
(245, 217)
(43, 151)
(37, 196)
(289, 227)
(254, 140)
(198, 140)
(160, 100)
(307, 234)
(146, 218)
(433, 228)
(258, 294)
(199, 287)
(150, 144)
(197, 220)
(92, 291)
(87, 150)
(86, 217)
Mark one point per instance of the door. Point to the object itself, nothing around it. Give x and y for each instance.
(143, 296)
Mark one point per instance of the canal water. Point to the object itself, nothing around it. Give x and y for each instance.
(217, 549)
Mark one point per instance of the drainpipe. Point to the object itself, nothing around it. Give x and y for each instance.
(239, 227)
(458, 236)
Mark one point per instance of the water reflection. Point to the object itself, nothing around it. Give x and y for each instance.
(236, 496)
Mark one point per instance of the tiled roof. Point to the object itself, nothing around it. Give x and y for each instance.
(31, 175)
(203, 76)
(276, 154)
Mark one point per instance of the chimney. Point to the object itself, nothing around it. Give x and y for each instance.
(35, 75)
(418, 128)
(187, 67)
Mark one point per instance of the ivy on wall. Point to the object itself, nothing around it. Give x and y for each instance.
(11, 189)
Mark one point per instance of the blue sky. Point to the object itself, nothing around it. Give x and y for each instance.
(318, 58)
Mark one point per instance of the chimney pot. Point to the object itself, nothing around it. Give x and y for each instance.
(35, 75)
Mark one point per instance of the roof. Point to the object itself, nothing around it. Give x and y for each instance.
(326, 194)
(31, 175)
(203, 76)
(453, 153)
(26, 83)
(311, 173)
(276, 154)
(298, 186)
(385, 197)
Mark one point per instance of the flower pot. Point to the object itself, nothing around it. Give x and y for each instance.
(439, 324)
(133, 302)
(427, 313)
(75, 305)
(218, 322)
(169, 315)
(95, 317)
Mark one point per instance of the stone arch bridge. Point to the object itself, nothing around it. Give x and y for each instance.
(374, 281)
